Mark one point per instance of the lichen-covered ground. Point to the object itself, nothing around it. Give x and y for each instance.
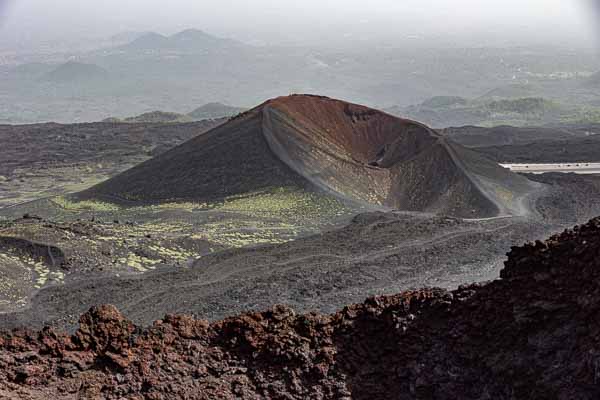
(99, 238)
(41, 164)
(280, 245)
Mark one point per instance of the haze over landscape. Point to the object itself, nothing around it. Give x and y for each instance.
(197, 197)
(463, 22)
(389, 54)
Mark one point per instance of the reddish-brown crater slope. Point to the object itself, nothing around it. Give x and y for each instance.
(345, 149)
(534, 334)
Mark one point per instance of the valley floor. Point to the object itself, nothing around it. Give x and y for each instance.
(282, 247)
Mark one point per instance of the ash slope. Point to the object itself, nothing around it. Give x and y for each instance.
(531, 335)
(348, 150)
(377, 253)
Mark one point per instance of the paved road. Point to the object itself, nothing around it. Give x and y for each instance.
(578, 168)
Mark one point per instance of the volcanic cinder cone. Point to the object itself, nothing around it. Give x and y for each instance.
(347, 150)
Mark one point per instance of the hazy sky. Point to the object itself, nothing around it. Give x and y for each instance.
(306, 21)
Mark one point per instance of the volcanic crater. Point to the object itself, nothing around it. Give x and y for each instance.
(350, 151)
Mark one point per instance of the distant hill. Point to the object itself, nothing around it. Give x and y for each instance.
(159, 116)
(528, 105)
(443, 112)
(194, 39)
(207, 111)
(319, 144)
(126, 37)
(155, 117)
(75, 72)
(444, 101)
(477, 137)
(594, 80)
(31, 70)
(214, 110)
(510, 92)
(148, 41)
(112, 120)
(190, 40)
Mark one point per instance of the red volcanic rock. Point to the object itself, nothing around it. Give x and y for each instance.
(534, 334)
(103, 329)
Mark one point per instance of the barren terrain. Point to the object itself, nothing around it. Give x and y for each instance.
(533, 334)
(45, 160)
(202, 231)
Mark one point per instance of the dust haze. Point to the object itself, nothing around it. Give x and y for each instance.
(333, 22)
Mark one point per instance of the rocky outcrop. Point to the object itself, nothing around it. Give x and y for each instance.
(51, 255)
(534, 334)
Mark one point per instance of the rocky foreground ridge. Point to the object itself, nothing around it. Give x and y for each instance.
(534, 334)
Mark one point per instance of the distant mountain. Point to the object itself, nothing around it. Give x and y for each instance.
(190, 40)
(31, 70)
(193, 38)
(208, 111)
(444, 101)
(126, 37)
(214, 111)
(159, 117)
(528, 105)
(444, 111)
(75, 72)
(594, 80)
(148, 41)
(511, 92)
(112, 120)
